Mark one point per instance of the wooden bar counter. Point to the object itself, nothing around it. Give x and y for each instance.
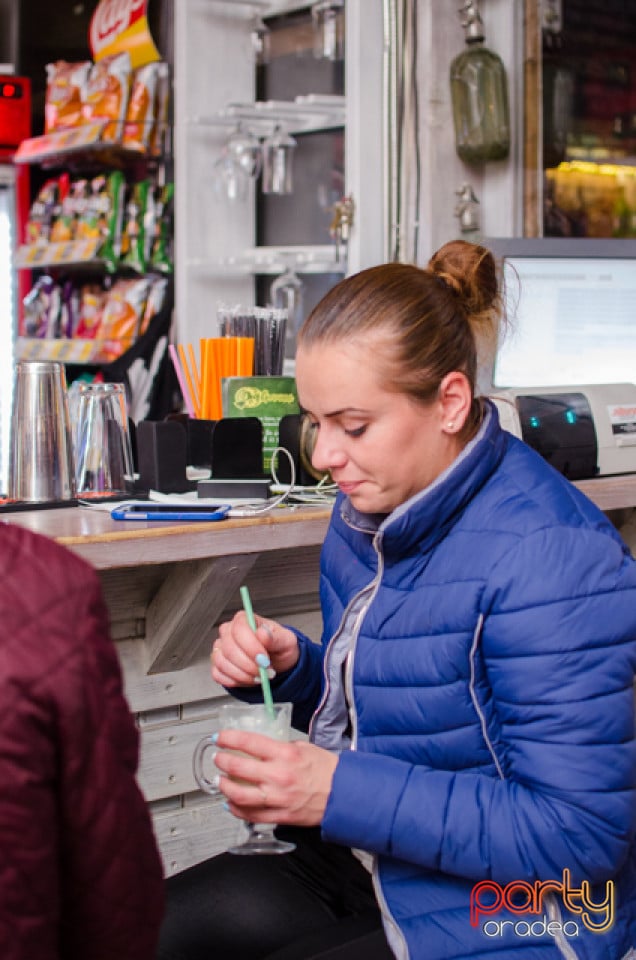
(167, 586)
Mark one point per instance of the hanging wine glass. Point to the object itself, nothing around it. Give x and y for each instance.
(328, 24)
(260, 36)
(230, 181)
(278, 151)
(286, 293)
(245, 150)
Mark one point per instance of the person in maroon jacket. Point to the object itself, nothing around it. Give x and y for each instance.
(80, 875)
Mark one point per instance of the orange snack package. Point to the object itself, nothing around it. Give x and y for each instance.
(122, 315)
(140, 117)
(91, 304)
(65, 92)
(107, 93)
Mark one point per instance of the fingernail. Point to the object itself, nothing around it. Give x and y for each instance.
(271, 673)
(225, 805)
(213, 738)
(267, 631)
(216, 782)
(262, 660)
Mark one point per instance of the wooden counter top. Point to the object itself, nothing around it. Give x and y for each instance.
(106, 543)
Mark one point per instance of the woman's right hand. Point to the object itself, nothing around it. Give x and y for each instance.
(235, 650)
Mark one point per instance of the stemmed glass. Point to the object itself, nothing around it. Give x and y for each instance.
(278, 151)
(256, 718)
(239, 162)
(260, 35)
(286, 293)
(328, 22)
(245, 150)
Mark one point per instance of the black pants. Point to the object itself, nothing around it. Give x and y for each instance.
(316, 902)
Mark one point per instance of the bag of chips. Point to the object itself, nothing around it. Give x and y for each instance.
(43, 212)
(133, 244)
(160, 251)
(140, 117)
(101, 216)
(154, 303)
(122, 316)
(107, 92)
(65, 93)
(91, 301)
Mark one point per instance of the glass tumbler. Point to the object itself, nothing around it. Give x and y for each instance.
(104, 453)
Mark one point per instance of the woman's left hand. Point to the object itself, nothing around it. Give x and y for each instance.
(280, 782)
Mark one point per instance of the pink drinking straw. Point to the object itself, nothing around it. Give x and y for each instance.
(187, 398)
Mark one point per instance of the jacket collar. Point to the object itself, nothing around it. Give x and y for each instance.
(424, 519)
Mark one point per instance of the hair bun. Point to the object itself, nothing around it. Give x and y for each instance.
(468, 270)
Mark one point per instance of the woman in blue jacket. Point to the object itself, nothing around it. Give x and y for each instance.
(468, 786)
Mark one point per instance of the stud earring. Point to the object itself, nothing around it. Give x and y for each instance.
(450, 425)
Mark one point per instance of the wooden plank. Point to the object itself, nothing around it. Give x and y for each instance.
(165, 763)
(129, 590)
(194, 833)
(610, 493)
(181, 617)
(145, 691)
(194, 683)
(533, 216)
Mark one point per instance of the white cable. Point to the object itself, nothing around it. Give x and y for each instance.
(243, 512)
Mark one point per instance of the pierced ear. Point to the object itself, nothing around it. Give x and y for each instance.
(455, 398)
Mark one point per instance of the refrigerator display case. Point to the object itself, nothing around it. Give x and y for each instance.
(15, 125)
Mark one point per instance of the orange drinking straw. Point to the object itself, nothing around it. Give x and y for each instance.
(195, 373)
(184, 364)
(205, 381)
(245, 356)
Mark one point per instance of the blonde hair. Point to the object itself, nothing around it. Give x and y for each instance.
(436, 319)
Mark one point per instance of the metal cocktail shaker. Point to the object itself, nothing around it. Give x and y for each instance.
(41, 466)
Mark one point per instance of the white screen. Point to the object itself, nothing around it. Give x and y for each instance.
(573, 321)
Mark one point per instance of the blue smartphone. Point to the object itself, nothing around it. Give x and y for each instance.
(168, 511)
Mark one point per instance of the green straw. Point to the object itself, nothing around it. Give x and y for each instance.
(267, 690)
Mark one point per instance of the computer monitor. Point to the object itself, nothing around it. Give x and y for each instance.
(572, 312)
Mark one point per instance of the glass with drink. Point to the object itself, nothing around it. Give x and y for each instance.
(272, 721)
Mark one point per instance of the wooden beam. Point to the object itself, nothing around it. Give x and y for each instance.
(532, 215)
(180, 619)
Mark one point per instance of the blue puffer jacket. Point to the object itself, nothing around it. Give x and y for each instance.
(491, 673)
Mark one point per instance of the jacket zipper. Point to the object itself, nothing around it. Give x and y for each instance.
(343, 619)
(397, 939)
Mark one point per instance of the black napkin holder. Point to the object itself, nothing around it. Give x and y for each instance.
(161, 456)
(231, 448)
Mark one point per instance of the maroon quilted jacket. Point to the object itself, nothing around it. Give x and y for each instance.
(80, 876)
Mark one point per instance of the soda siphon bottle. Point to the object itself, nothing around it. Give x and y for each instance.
(479, 93)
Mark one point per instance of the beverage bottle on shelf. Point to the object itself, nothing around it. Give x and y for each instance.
(479, 94)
